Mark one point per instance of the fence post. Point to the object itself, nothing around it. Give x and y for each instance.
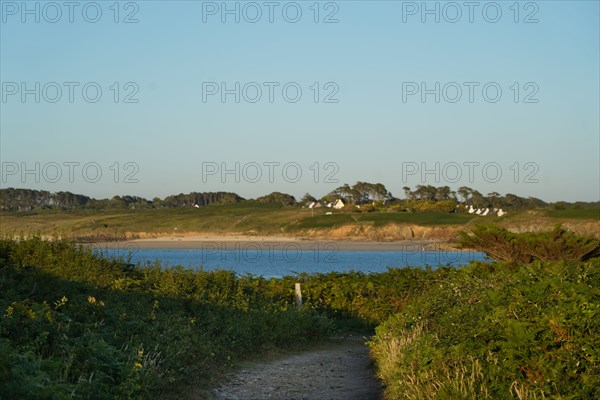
(298, 295)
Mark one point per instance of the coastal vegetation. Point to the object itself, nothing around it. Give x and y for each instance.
(76, 325)
(369, 212)
(423, 198)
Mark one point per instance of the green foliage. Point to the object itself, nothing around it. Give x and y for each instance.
(428, 193)
(497, 331)
(279, 198)
(497, 243)
(74, 325)
(359, 193)
(576, 213)
(556, 244)
(22, 200)
(444, 206)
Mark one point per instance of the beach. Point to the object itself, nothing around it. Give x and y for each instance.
(272, 242)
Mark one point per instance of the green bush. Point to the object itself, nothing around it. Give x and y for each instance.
(497, 331)
(75, 325)
(556, 244)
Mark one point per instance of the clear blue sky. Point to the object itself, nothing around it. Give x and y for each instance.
(373, 55)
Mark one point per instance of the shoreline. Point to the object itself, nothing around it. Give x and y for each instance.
(214, 242)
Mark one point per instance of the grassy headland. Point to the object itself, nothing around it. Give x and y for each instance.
(251, 218)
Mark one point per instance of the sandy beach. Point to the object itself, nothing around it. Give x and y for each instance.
(272, 242)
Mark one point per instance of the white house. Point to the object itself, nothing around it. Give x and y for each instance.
(471, 209)
(338, 204)
(501, 213)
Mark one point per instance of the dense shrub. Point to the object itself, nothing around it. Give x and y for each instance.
(556, 244)
(497, 331)
(74, 325)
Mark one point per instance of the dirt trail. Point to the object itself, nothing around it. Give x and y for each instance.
(340, 372)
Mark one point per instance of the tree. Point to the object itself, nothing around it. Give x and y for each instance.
(493, 198)
(478, 199)
(157, 202)
(464, 192)
(442, 193)
(307, 199)
(425, 192)
(361, 193)
(513, 201)
(279, 198)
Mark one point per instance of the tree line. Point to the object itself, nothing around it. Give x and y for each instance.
(28, 200)
(376, 195)
(364, 193)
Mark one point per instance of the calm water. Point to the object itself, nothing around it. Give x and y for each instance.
(279, 262)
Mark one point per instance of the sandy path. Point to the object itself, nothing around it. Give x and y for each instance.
(340, 372)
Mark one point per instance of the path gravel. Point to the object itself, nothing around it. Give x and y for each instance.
(342, 371)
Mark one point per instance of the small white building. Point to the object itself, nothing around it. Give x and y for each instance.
(338, 204)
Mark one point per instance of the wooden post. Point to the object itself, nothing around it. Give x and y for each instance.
(298, 296)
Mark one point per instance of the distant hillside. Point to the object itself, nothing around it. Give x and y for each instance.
(26, 199)
(361, 197)
(23, 200)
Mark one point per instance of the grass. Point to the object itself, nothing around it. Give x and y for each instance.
(582, 213)
(254, 218)
(215, 218)
(425, 218)
(249, 217)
